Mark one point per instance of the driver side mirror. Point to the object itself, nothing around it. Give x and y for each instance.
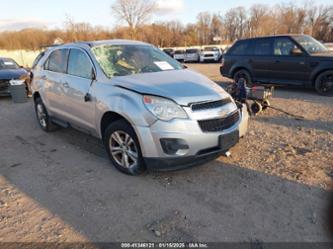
(296, 52)
(93, 75)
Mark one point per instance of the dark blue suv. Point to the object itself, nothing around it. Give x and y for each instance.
(285, 60)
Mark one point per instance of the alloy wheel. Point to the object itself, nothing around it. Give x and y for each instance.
(326, 83)
(123, 149)
(41, 114)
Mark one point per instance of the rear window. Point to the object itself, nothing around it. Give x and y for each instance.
(7, 63)
(241, 48)
(211, 49)
(263, 47)
(57, 61)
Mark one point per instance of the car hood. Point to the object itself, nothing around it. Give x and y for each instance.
(12, 74)
(182, 86)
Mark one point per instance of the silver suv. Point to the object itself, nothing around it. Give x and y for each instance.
(149, 110)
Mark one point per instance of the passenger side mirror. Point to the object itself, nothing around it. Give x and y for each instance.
(296, 52)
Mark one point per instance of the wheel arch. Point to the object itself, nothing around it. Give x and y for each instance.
(109, 117)
(35, 95)
(238, 68)
(316, 74)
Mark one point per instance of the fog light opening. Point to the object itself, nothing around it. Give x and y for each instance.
(174, 146)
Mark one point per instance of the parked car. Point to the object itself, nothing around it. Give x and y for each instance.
(10, 70)
(211, 54)
(286, 59)
(192, 55)
(179, 55)
(169, 51)
(149, 110)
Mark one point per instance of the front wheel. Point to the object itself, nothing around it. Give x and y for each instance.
(324, 83)
(243, 75)
(123, 148)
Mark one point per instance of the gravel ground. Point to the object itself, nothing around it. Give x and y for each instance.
(282, 145)
(60, 186)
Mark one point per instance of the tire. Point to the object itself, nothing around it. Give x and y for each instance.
(256, 108)
(265, 104)
(245, 75)
(43, 117)
(324, 83)
(123, 148)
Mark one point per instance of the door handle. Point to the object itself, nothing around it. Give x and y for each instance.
(66, 85)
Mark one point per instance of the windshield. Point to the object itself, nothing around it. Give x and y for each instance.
(122, 60)
(179, 52)
(311, 45)
(192, 51)
(207, 49)
(6, 64)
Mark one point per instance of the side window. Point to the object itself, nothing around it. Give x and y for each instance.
(241, 48)
(79, 64)
(283, 46)
(57, 61)
(263, 47)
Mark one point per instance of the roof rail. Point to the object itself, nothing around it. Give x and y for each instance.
(50, 46)
(84, 42)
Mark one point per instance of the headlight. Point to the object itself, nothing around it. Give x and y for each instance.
(16, 82)
(164, 109)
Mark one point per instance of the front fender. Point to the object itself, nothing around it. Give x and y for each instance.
(125, 103)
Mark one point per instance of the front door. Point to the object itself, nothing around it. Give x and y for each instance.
(289, 67)
(78, 86)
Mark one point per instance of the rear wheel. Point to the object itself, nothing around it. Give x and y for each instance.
(243, 75)
(43, 117)
(256, 108)
(123, 148)
(324, 83)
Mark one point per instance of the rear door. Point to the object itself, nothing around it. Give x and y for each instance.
(288, 67)
(54, 76)
(80, 110)
(261, 61)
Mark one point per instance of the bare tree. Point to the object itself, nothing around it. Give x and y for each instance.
(204, 20)
(235, 23)
(134, 12)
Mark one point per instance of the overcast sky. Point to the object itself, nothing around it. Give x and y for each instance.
(18, 14)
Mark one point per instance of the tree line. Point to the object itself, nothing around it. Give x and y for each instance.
(209, 28)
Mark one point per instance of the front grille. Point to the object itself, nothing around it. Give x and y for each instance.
(4, 85)
(210, 105)
(216, 125)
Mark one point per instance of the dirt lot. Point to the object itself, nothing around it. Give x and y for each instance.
(61, 187)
